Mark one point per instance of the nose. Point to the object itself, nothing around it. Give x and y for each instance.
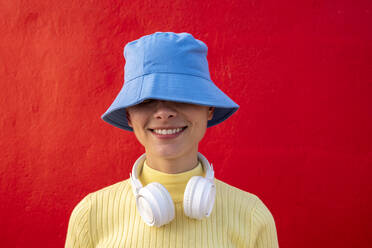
(164, 110)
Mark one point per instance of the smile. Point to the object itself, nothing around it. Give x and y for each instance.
(168, 131)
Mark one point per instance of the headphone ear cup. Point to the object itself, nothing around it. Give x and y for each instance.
(198, 199)
(155, 205)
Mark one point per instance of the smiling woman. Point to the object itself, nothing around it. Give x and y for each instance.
(172, 198)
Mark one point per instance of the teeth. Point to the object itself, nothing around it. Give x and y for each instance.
(167, 131)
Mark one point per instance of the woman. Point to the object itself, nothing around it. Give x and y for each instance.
(172, 198)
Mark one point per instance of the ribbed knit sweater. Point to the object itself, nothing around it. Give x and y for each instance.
(109, 218)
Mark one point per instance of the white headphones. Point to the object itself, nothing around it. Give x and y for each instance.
(155, 204)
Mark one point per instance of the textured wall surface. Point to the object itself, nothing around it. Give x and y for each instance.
(302, 140)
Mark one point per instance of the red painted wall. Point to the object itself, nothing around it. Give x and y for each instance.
(302, 140)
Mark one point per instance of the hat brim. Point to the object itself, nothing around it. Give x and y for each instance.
(170, 87)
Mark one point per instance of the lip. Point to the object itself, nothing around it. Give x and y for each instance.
(167, 136)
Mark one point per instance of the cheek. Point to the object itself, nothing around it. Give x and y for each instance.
(140, 133)
(137, 118)
(138, 124)
(200, 127)
(139, 138)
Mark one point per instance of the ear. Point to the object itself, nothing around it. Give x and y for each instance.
(210, 113)
(128, 118)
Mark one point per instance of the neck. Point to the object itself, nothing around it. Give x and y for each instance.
(172, 165)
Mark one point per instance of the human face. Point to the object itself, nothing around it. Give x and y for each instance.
(169, 130)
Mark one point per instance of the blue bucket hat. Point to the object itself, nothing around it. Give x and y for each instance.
(168, 66)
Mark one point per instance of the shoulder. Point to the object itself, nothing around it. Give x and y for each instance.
(227, 191)
(79, 233)
(246, 207)
(107, 194)
(111, 191)
(244, 201)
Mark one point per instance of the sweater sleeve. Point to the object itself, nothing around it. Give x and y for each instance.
(78, 234)
(263, 234)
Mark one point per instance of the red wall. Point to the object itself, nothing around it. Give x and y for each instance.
(302, 140)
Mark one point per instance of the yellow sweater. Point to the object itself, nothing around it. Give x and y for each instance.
(109, 218)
